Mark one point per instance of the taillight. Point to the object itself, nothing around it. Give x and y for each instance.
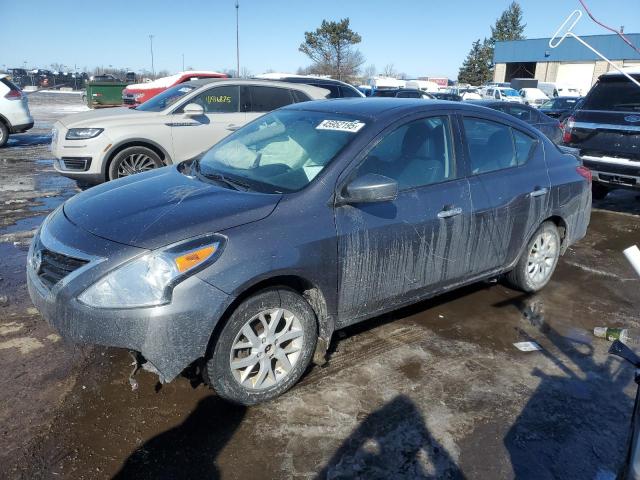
(568, 127)
(13, 95)
(584, 172)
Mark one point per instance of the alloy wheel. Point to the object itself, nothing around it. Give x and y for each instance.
(542, 257)
(266, 349)
(135, 163)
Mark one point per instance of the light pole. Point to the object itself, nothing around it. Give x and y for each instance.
(183, 62)
(153, 71)
(237, 42)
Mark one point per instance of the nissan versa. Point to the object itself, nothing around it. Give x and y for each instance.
(309, 219)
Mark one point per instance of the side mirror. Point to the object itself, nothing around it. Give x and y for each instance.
(193, 110)
(370, 188)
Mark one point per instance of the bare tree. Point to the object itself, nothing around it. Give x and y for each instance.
(389, 71)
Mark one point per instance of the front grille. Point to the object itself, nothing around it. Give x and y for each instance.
(75, 163)
(55, 266)
(128, 101)
(613, 154)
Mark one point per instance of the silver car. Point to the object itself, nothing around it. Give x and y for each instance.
(175, 125)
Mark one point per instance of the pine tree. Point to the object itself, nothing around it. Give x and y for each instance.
(509, 26)
(476, 68)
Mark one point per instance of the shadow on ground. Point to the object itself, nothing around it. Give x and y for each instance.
(392, 442)
(189, 450)
(550, 438)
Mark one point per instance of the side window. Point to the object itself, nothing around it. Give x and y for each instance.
(490, 145)
(299, 96)
(224, 99)
(523, 113)
(415, 154)
(265, 99)
(497, 95)
(525, 146)
(402, 94)
(333, 89)
(348, 92)
(490, 92)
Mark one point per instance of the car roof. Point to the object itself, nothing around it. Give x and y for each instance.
(314, 92)
(379, 107)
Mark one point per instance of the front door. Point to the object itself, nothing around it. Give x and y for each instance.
(222, 115)
(509, 190)
(394, 252)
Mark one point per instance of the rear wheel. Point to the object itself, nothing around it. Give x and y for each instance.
(4, 134)
(599, 191)
(264, 348)
(133, 160)
(538, 262)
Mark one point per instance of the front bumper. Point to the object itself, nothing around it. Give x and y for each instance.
(170, 337)
(79, 159)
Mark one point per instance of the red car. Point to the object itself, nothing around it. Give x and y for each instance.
(141, 92)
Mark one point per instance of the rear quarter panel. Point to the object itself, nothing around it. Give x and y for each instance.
(570, 193)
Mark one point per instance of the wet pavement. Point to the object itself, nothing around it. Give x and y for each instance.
(433, 391)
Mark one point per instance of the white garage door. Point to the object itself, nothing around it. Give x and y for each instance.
(576, 74)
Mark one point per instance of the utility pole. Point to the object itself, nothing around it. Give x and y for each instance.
(237, 42)
(183, 62)
(153, 71)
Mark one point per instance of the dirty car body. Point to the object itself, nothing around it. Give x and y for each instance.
(378, 203)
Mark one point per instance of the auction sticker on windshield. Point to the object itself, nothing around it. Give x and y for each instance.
(340, 125)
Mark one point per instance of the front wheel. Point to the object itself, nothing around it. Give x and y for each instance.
(264, 348)
(538, 262)
(133, 160)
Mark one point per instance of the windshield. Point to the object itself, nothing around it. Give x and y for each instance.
(617, 94)
(282, 151)
(510, 92)
(166, 98)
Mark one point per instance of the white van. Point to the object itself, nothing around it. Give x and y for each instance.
(505, 94)
(424, 85)
(533, 96)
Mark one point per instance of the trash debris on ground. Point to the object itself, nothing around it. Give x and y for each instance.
(527, 346)
(629, 336)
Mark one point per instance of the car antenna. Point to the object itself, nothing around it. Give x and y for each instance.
(570, 22)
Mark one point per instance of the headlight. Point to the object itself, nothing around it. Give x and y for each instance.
(149, 280)
(83, 133)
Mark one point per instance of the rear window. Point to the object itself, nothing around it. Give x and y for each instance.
(617, 94)
(265, 99)
(9, 84)
(349, 92)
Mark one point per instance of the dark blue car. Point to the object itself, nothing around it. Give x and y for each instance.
(311, 218)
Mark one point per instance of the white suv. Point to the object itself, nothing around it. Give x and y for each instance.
(175, 125)
(14, 110)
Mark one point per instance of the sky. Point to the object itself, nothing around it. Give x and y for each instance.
(420, 38)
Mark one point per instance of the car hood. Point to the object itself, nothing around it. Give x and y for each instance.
(157, 208)
(98, 118)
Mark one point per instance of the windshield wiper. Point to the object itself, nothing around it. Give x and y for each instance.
(220, 178)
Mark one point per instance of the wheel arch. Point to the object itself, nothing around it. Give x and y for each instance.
(135, 142)
(304, 287)
(561, 224)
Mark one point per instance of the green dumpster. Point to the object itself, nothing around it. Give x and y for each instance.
(104, 94)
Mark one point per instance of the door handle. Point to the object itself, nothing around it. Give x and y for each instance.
(538, 192)
(233, 128)
(449, 212)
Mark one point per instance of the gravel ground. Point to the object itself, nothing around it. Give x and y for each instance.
(434, 391)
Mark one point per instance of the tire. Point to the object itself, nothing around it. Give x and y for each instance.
(4, 134)
(599, 191)
(537, 264)
(133, 160)
(258, 361)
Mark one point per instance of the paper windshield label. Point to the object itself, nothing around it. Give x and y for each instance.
(340, 125)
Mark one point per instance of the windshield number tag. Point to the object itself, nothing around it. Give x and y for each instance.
(340, 125)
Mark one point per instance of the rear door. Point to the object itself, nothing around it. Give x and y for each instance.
(260, 99)
(394, 252)
(193, 135)
(509, 186)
